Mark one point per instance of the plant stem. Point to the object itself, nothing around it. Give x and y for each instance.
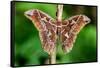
(52, 58)
(59, 12)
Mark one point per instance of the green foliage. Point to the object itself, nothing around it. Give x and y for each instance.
(28, 50)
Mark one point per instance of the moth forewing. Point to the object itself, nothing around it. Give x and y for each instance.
(81, 22)
(76, 23)
(44, 23)
(33, 16)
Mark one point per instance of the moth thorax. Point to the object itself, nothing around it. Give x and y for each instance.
(59, 23)
(58, 31)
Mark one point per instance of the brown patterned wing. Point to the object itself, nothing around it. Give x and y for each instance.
(46, 28)
(70, 30)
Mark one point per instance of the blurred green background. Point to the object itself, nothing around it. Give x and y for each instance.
(28, 50)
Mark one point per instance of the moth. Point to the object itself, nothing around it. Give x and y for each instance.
(50, 29)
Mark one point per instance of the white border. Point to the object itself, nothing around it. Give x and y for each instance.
(5, 34)
(85, 2)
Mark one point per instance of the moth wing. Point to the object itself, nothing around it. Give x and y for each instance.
(45, 25)
(71, 28)
(38, 18)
